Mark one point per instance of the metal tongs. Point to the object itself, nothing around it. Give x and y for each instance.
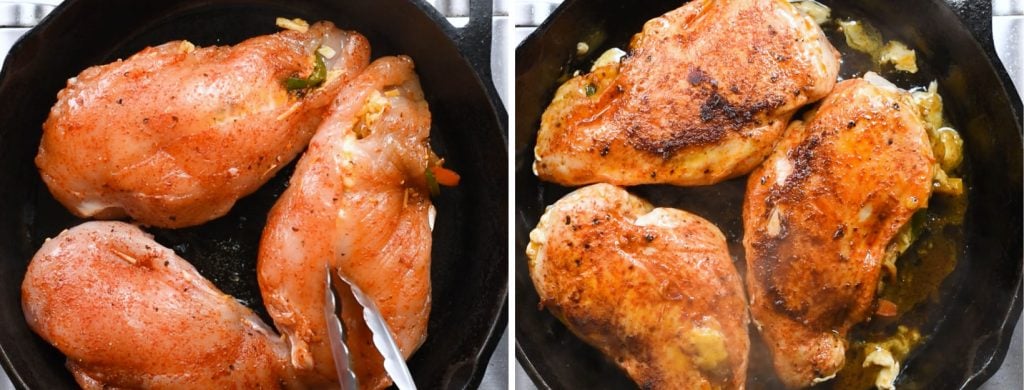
(394, 363)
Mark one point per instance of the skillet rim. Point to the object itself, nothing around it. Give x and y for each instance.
(472, 44)
(984, 43)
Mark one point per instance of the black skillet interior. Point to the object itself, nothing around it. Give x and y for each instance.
(469, 125)
(968, 330)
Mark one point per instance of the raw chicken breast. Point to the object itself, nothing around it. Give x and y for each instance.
(175, 134)
(359, 201)
(129, 313)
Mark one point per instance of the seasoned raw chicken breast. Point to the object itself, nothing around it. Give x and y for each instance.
(175, 134)
(654, 289)
(819, 217)
(359, 201)
(129, 313)
(703, 96)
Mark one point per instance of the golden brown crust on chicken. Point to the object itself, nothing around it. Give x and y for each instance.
(174, 135)
(653, 289)
(819, 215)
(703, 97)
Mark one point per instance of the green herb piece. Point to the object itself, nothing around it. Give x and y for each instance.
(317, 77)
(591, 89)
(435, 190)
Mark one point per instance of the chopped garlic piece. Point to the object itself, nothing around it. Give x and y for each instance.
(947, 185)
(582, 48)
(900, 56)
(886, 379)
(861, 36)
(888, 353)
(609, 57)
(375, 107)
(930, 104)
(817, 11)
(326, 51)
(293, 24)
(949, 147)
(186, 47)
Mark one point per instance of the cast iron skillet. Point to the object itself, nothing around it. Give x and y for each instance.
(469, 271)
(969, 328)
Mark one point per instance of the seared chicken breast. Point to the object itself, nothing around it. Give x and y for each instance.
(129, 313)
(358, 200)
(819, 216)
(174, 135)
(654, 289)
(703, 96)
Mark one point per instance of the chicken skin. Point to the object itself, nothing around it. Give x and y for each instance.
(654, 289)
(175, 134)
(358, 200)
(819, 216)
(129, 313)
(704, 96)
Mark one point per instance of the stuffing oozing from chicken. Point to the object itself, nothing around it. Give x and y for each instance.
(820, 215)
